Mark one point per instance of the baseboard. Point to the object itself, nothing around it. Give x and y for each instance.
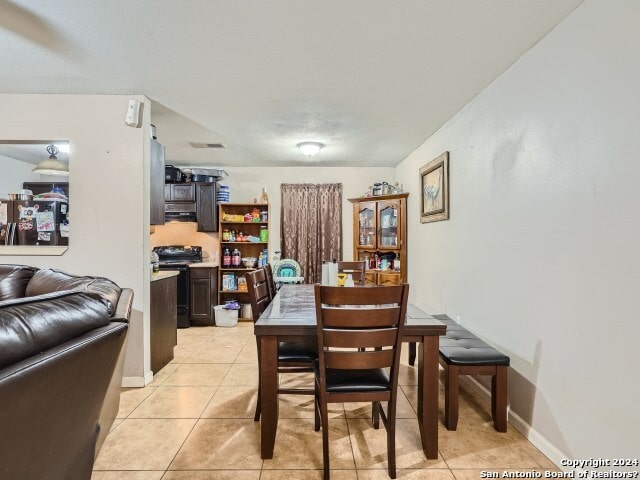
(530, 433)
(137, 382)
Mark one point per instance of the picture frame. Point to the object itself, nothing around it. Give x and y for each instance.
(434, 188)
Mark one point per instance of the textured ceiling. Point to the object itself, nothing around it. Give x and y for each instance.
(371, 79)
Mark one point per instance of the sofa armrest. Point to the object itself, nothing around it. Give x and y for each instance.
(123, 309)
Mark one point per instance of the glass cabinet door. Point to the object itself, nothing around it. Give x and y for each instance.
(367, 225)
(388, 219)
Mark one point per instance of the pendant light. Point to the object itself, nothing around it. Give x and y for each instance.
(51, 165)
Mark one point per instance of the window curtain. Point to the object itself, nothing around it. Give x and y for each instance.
(311, 225)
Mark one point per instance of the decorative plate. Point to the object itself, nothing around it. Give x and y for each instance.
(287, 268)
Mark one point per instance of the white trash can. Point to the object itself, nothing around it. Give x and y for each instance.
(224, 317)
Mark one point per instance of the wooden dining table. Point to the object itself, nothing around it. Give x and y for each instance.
(292, 315)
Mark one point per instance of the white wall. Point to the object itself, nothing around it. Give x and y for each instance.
(540, 256)
(109, 175)
(14, 172)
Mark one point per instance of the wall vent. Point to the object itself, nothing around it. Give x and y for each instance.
(206, 145)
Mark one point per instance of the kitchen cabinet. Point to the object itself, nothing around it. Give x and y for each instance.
(380, 229)
(231, 220)
(206, 208)
(163, 324)
(203, 291)
(156, 184)
(180, 192)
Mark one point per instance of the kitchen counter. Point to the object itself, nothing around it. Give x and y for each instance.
(210, 264)
(162, 274)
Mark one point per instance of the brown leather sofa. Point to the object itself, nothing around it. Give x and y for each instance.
(62, 343)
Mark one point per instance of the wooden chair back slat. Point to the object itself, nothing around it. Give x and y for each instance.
(370, 317)
(258, 292)
(360, 338)
(270, 282)
(361, 296)
(359, 360)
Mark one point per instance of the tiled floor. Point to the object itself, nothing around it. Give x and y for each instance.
(195, 422)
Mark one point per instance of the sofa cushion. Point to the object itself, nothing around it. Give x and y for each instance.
(14, 280)
(31, 325)
(48, 280)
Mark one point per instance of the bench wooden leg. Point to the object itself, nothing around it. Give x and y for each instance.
(412, 353)
(499, 398)
(451, 375)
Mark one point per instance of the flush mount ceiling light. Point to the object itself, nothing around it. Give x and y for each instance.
(310, 148)
(51, 165)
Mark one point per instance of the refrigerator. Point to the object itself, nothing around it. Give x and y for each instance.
(34, 222)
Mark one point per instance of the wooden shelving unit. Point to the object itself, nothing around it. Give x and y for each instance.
(247, 249)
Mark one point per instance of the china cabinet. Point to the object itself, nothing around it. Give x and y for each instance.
(379, 237)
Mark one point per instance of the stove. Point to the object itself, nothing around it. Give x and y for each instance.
(179, 257)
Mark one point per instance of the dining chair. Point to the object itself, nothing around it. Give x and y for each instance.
(355, 268)
(293, 356)
(359, 333)
(271, 284)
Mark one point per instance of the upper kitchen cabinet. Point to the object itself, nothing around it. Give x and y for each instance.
(379, 237)
(180, 192)
(206, 207)
(156, 184)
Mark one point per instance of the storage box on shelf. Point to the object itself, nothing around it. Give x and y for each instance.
(244, 229)
(380, 231)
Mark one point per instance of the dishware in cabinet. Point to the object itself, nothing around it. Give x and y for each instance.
(244, 246)
(379, 237)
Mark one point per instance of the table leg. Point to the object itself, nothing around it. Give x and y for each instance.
(268, 394)
(428, 395)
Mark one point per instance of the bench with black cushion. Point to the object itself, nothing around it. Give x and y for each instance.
(462, 353)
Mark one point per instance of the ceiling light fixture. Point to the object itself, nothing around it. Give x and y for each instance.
(310, 148)
(51, 165)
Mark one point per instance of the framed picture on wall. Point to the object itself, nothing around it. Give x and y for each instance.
(434, 185)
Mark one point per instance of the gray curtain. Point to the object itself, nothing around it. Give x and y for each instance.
(311, 225)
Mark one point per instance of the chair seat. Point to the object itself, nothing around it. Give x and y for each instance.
(374, 380)
(297, 352)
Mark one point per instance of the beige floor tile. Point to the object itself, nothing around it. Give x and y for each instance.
(540, 458)
(226, 341)
(480, 446)
(248, 354)
(197, 374)
(180, 353)
(125, 475)
(407, 375)
(130, 398)
(208, 353)
(298, 446)
(175, 402)
(370, 445)
(241, 374)
(115, 424)
(409, 474)
(197, 331)
(221, 444)
(307, 475)
(363, 410)
(302, 406)
(232, 402)
(148, 444)
(161, 376)
(213, 475)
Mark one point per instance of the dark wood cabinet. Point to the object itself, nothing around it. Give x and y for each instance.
(180, 192)
(206, 208)
(156, 184)
(203, 288)
(163, 326)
